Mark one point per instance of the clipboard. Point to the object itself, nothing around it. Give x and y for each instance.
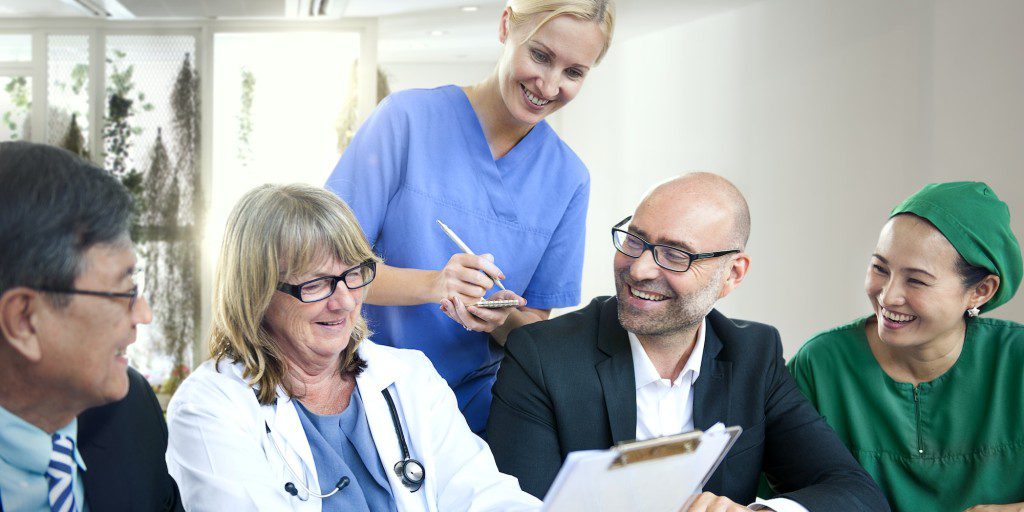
(655, 475)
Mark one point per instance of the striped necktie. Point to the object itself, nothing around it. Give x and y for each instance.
(61, 474)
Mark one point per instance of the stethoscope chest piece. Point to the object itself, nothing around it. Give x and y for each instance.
(408, 469)
(411, 472)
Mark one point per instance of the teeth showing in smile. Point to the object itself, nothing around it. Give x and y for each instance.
(122, 352)
(332, 323)
(646, 296)
(533, 99)
(897, 317)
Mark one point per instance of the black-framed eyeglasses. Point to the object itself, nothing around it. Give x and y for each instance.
(667, 257)
(131, 295)
(320, 288)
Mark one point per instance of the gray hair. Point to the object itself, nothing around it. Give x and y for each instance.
(54, 206)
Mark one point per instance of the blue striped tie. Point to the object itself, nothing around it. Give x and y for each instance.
(61, 474)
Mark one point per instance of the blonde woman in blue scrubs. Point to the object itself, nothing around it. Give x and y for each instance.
(482, 160)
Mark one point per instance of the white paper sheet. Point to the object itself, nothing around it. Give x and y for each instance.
(586, 483)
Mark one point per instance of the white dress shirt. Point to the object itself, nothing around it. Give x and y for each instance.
(665, 407)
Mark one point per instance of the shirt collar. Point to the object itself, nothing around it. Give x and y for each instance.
(644, 371)
(27, 447)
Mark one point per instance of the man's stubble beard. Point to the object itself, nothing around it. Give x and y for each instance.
(682, 312)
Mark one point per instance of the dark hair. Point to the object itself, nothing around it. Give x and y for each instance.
(54, 206)
(970, 275)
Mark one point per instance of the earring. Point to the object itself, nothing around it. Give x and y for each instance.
(973, 312)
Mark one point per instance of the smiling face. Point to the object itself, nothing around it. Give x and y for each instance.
(541, 74)
(83, 344)
(315, 332)
(653, 301)
(917, 294)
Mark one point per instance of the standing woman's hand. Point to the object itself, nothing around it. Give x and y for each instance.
(466, 277)
(481, 319)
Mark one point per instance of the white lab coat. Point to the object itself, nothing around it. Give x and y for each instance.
(222, 458)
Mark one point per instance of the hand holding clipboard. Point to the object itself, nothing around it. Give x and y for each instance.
(657, 475)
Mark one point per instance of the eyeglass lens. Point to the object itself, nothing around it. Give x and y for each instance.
(324, 287)
(633, 246)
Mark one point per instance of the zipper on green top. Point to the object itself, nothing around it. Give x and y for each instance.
(917, 416)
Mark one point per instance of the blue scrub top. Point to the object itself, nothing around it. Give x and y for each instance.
(422, 156)
(342, 446)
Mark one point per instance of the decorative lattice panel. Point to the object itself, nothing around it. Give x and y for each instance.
(141, 69)
(150, 131)
(67, 91)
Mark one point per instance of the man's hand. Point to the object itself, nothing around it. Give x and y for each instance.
(708, 502)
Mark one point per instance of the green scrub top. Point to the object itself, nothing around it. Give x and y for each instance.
(949, 444)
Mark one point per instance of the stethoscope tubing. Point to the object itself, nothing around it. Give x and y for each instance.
(410, 470)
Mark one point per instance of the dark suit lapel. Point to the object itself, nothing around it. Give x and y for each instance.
(616, 374)
(711, 390)
(711, 394)
(96, 477)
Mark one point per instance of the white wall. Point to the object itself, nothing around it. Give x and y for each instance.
(826, 114)
(411, 75)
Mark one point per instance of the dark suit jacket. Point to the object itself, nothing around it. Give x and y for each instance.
(567, 384)
(123, 446)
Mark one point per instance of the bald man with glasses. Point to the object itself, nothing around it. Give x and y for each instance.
(79, 429)
(657, 359)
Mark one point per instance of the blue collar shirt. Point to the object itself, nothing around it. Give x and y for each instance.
(25, 451)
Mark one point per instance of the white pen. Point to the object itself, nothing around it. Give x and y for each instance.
(462, 245)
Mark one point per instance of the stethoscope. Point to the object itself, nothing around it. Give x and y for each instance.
(408, 469)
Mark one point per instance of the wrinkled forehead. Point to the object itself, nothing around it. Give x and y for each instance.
(691, 220)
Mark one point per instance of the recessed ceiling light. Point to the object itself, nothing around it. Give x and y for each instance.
(437, 33)
(470, 8)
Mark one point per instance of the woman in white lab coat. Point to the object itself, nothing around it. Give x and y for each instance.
(298, 410)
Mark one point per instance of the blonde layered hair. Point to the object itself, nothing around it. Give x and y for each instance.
(601, 12)
(275, 233)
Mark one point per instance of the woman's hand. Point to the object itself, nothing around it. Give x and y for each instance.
(466, 277)
(480, 319)
(1012, 507)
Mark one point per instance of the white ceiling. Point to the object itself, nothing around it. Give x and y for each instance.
(39, 8)
(408, 30)
(205, 8)
(376, 8)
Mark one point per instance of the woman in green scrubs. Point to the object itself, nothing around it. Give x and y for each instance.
(927, 394)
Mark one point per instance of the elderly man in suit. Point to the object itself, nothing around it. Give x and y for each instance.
(657, 359)
(68, 310)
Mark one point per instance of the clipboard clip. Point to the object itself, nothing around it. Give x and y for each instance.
(631, 452)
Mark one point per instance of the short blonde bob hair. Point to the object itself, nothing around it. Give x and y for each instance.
(601, 12)
(274, 233)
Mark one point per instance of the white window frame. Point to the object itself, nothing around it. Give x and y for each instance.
(204, 31)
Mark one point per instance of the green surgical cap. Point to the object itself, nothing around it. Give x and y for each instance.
(977, 223)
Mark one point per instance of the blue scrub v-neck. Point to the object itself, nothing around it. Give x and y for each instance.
(491, 180)
(343, 446)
